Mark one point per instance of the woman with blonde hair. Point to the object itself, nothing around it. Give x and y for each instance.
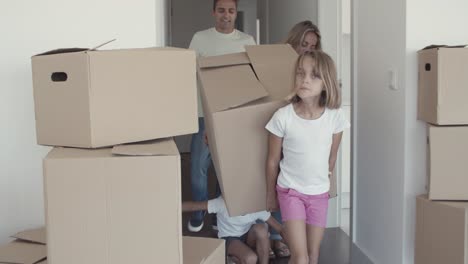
(304, 36)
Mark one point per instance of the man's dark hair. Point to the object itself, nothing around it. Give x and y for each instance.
(216, 2)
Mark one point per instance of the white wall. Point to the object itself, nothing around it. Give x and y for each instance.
(31, 27)
(427, 22)
(379, 126)
(390, 162)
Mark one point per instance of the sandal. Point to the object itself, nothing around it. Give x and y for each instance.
(271, 254)
(281, 249)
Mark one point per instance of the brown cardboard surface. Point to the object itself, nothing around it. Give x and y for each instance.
(235, 119)
(37, 235)
(105, 208)
(443, 86)
(276, 73)
(198, 250)
(115, 96)
(447, 162)
(441, 232)
(18, 252)
(224, 60)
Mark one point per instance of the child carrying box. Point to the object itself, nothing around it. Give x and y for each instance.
(242, 233)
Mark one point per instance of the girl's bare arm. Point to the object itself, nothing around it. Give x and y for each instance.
(334, 150)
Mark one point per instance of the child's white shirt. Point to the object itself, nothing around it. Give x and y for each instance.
(306, 148)
(233, 226)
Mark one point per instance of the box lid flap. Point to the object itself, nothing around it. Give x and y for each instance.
(229, 87)
(37, 235)
(161, 147)
(224, 60)
(274, 66)
(435, 46)
(70, 50)
(59, 51)
(22, 253)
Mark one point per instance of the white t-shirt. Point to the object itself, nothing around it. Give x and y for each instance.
(210, 42)
(306, 148)
(233, 226)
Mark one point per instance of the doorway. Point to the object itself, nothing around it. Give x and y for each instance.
(269, 22)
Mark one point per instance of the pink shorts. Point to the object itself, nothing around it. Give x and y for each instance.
(297, 206)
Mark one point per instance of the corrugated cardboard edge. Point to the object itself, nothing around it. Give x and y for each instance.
(179, 202)
(161, 147)
(37, 235)
(232, 59)
(466, 236)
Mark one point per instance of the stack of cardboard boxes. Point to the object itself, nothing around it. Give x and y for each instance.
(106, 201)
(111, 202)
(442, 214)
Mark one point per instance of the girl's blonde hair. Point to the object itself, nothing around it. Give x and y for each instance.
(297, 34)
(325, 69)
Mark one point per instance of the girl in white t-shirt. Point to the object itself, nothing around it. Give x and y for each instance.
(303, 143)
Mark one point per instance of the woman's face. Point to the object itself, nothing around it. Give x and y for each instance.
(308, 44)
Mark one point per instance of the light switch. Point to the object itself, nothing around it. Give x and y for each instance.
(392, 79)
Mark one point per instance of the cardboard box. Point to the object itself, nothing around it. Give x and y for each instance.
(95, 98)
(441, 232)
(200, 250)
(114, 205)
(37, 235)
(443, 86)
(28, 248)
(20, 252)
(447, 151)
(240, 92)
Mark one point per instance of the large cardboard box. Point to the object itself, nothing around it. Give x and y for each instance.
(240, 93)
(114, 205)
(443, 86)
(200, 250)
(441, 232)
(447, 162)
(95, 98)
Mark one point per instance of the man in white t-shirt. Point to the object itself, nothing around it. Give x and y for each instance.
(221, 39)
(242, 233)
